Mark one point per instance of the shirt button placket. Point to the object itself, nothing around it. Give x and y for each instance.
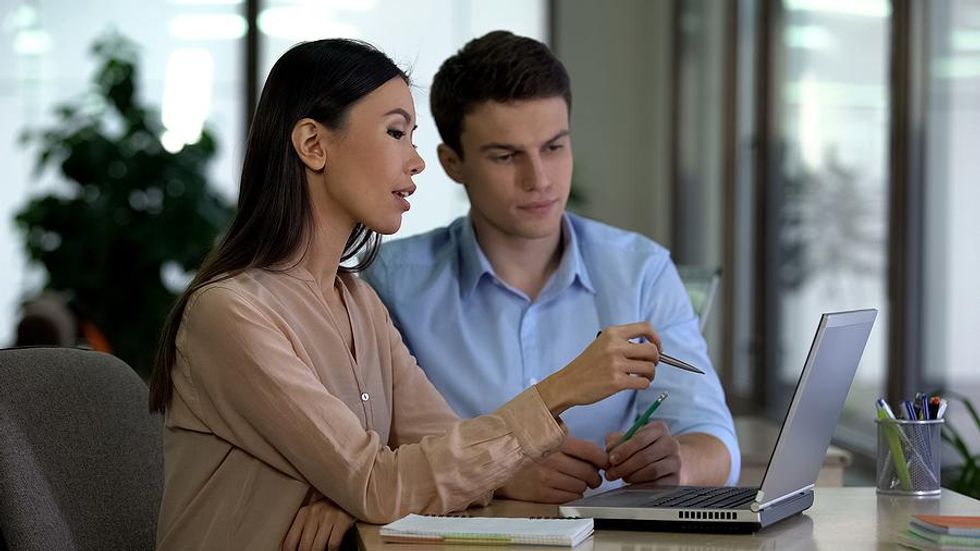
(529, 344)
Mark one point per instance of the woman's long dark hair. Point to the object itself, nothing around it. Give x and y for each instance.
(320, 80)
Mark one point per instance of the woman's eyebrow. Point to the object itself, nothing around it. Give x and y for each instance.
(400, 111)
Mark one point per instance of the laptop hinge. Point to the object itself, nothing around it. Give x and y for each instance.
(758, 506)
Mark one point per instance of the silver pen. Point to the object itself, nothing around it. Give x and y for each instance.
(672, 361)
(679, 364)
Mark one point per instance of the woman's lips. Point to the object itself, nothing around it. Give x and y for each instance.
(402, 196)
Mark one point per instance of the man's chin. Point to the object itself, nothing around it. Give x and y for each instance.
(538, 231)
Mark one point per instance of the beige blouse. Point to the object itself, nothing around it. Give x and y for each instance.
(269, 405)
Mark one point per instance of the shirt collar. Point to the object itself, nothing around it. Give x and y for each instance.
(474, 264)
(572, 267)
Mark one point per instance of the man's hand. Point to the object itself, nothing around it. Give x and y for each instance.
(560, 477)
(652, 455)
(318, 526)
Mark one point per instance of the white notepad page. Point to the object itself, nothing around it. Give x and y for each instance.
(559, 532)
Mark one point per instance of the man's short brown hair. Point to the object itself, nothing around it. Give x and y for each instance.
(499, 66)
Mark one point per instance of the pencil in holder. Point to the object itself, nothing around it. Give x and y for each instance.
(908, 459)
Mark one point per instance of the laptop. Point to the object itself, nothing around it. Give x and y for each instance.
(787, 487)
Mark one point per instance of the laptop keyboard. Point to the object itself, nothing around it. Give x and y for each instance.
(726, 497)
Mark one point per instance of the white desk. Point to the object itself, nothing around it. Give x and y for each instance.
(840, 519)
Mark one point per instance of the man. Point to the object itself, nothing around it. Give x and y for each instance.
(501, 298)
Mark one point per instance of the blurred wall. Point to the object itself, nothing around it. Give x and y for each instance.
(619, 61)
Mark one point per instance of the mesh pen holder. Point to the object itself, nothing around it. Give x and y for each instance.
(908, 457)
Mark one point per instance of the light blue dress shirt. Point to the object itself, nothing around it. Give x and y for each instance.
(481, 342)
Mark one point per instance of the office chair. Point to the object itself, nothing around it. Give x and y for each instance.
(701, 283)
(81, 459)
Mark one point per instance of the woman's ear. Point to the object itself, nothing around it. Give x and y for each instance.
(450, 162)
(308, 137)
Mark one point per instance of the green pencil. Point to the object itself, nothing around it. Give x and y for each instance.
(643, 419)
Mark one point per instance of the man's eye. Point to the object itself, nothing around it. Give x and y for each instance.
(506, 158)
(555, 147)
(395, 133)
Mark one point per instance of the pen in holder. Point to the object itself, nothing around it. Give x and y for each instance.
(908, 456)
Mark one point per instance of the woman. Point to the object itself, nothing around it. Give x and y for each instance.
(284, 381)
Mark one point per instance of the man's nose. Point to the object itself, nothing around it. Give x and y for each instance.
(533, 176)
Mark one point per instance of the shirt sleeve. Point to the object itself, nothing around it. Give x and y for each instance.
(375, 276)
(254, 392)
(696, 403)
(418, 408)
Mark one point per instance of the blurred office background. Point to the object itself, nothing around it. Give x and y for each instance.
(822, 153)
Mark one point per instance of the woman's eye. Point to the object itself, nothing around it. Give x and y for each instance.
(395, 133)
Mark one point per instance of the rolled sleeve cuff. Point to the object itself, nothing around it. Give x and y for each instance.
(730, 442)
(530, 421)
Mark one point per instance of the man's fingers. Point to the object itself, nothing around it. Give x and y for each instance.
(337, 536)
(560, 481)
(337, 539)
(324, 534)
(295, 531)
(554, 486)
(648, 434)
(612, 439)
(546, 482)
(586, 451)
(661, 473)
(633, 464)
(310, 529)
(561, 496)
(662, 451)
(554, 495)
(586, 472)
(578, 469)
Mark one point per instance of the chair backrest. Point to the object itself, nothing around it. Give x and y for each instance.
(81, 459)
(701, 283)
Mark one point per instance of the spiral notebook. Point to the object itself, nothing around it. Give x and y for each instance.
(565, 532)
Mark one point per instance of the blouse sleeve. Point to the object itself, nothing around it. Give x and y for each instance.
(253, 391)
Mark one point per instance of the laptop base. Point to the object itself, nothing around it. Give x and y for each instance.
(770, 515)
(677, 526)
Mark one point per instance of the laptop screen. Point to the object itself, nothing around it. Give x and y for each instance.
(817, 402)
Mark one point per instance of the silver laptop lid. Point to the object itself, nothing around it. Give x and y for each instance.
(817, 402)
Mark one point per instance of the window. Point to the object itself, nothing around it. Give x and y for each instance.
(190, 67)
(418, 36)
(951, 262)
(830, 159)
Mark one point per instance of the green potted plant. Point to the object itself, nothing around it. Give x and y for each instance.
(132, 210)
(964, 478)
